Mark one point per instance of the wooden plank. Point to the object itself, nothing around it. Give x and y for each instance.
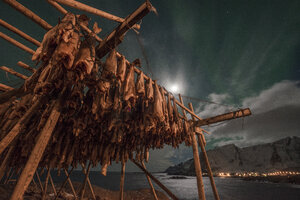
(36, 154)
(19, 32)
(13, 72)
(115, 37)
(5, 88)
(95, 11)
(227, 116)
(150, 183)
(16, 43)
(28, 13)
(156, 180)
(25, 66)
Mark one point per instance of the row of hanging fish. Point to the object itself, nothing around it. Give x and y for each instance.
(107, 114)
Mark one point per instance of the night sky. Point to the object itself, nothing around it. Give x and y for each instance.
(233, 52)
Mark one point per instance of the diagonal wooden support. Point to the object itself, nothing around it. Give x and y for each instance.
(70, 182)
(46, 184)
(65, 182)
(5, 88)
(95, 11)
(121, 194)
(227, 116)
(150, 183)
(19, 32)
(209, 171)
(39, 180)
(25, 66)
(16, 43)
(82, 191)
(115, 37)
(18, 127)
(36, 154)
(88, 181)
(52, 184)
(28, 13)
(3, 165)
(13, 72)
(156, 180)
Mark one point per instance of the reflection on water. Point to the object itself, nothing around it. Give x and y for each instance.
(228, 188)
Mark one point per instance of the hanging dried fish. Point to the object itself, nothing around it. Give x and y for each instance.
(129, 95)
(110, 66)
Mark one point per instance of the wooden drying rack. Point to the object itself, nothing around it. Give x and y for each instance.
(105, 45)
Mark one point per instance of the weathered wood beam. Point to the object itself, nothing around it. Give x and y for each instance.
(227, 116)
(36, 154)
(13, 72)
(5, 88)
(19, 32)
(16, 43)
(28, 13)
(95, 11)
(197, 163)
(25, 66)
(156, 180)
(115, 37)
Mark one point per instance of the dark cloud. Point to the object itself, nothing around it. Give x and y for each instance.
(275, 114)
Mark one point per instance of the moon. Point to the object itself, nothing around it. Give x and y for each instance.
(174, 88)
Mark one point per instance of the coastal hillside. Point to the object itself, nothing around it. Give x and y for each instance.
(283, 154)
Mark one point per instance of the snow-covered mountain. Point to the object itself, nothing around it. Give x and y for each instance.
(283, 154)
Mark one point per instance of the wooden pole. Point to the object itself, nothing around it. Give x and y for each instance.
(28, 13)
(150, 183)
(25, 66)
(84, 182)
(115, 37)
(10, 171)
(17, 128)
(5, 88)
(58, 7)
(209, 171)
(13, 72)
(64, 183)
(121, 194)
(70, 183)
(95, 11)
(52, 184)
(16, 43)
(36, 154)
(3, 165)
(19, 32)
(39, 180)
(197, 164)
(224, 117)
(46, 184)
(88, 181)
(156, 180)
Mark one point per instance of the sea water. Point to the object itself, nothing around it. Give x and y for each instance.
(186, 187)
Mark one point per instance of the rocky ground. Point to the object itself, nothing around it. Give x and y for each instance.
(34, 193)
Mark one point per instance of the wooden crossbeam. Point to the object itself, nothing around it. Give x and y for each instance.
(227, 116)
(88, 181)
(13, 72)
(115, 37)
(25, 66)
(95, 11)
(16, 43)
(57, 6)
(150, 183)
(19, 32)
(28, 13)
(5, 88)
